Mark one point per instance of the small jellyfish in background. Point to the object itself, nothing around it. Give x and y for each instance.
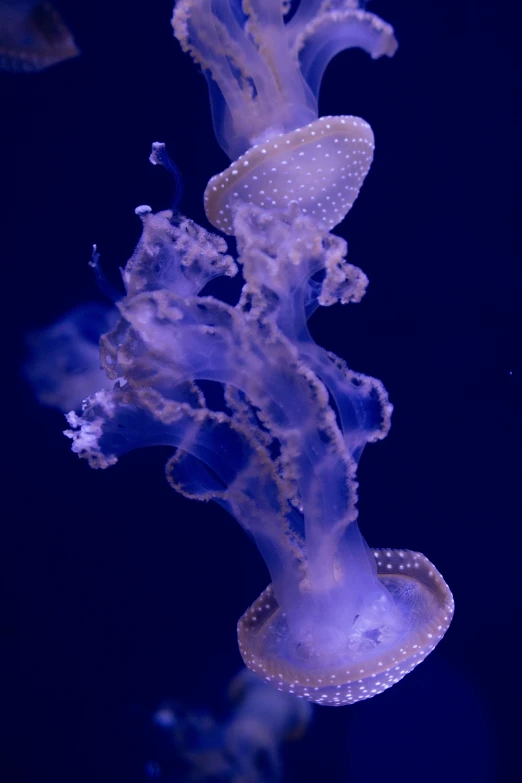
(63, 364)
(33, 36)
(244, 746)
(339, 622)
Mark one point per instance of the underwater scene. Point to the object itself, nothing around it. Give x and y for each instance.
(245, 240)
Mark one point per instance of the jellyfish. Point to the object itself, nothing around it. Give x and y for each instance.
(244, 745)
(261, 419)
(63, 360)
(33, 36)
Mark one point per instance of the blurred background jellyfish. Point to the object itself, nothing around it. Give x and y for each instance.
(244, 745)
(33, 36)
(262, 419)
(63, 363)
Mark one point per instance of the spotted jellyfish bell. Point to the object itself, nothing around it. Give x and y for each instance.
(378, 655)
(321, 167)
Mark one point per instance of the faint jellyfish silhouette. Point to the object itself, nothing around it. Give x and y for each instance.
(33, 36)
(63, 365)
(243, 746)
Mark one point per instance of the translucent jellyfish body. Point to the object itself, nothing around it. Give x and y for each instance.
(279, 445)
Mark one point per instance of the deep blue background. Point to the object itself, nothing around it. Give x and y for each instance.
(118, 593)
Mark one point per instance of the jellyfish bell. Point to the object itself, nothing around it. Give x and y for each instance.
(380, 647)
(321, 166)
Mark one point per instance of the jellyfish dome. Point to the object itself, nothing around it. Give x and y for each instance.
(321, 167)
(378, 649)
